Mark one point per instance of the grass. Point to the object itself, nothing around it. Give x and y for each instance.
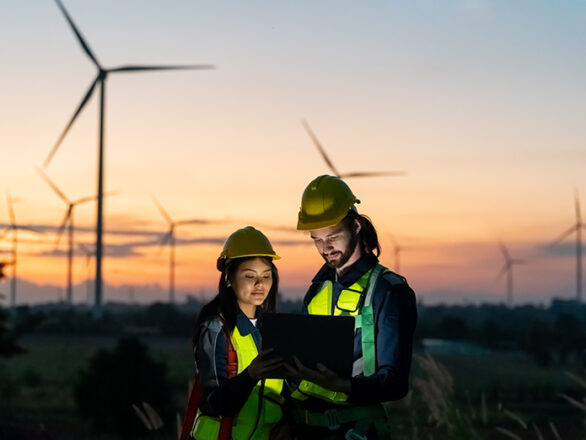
(467, 396)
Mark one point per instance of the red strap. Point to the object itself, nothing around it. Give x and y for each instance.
(191, 408)
(195, 399)
(232, 369)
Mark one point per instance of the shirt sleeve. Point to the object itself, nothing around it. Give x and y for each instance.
(395, 320)
(221, 396)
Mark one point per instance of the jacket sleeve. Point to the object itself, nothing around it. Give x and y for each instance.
(221, 396)
(395, 320)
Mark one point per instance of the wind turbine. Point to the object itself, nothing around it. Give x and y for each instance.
(508, 269)
(67, 221)
(334, 169)
(13, 228)
(397, 253)
(100, 80)
(169, 237)
(577, 228)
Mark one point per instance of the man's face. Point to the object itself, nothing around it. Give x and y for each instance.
(336, 244)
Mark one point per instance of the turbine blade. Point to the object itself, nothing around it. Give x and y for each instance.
(71, 121)
(319, 147)
(84, 45)
(134, 68)
(505, 252)
(162, 210)
(52, 185)
(84, 200)
(165, 239)
(577, 206)
(90, 198)
(62, 228)
(564, 235)
(373, 174)
(502, 271)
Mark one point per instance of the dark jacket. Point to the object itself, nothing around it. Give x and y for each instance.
(222, 396)
(395, 317)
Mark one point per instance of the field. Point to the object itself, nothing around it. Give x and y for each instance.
(37, 390)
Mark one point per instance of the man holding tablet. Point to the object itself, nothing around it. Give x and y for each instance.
(352, 283)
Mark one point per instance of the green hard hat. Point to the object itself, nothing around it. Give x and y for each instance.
(325, 202)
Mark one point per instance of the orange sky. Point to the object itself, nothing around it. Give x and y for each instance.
(481, 107)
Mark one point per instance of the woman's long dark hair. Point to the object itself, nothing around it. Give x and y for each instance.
(368, 238)
(224, 303)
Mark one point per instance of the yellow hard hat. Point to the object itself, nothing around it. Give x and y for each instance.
(325, 202)
(246, 242)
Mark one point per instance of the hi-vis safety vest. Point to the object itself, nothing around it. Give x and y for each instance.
(245, 424)
(356, 301)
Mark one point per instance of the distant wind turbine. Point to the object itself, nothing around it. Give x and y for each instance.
(577, 228)
(508, 270)
(397, 253)
(169, 238)
(67, 221)
(13, 228)
(335, 170)
(100, 80)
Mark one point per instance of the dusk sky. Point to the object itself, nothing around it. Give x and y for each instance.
(481, 102)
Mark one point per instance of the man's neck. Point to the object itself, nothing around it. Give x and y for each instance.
(340, 271)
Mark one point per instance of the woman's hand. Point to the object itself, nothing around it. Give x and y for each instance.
(322, 376)
(263, 364)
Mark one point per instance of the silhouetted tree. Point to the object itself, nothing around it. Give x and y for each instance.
(539, 341)
(114, 380)
(453, 327)
(8, 336)
(13, 326)
(569, 336)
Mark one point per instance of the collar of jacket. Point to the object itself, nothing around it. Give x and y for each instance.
(354, 272)
(245, 327)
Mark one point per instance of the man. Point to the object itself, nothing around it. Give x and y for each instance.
(352, 282)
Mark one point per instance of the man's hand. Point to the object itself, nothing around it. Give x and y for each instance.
(322, 376)
(263, 364)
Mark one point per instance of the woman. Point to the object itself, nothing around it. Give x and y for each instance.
(238, 401)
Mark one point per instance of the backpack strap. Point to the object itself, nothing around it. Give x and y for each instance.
(232, 370)
(191, 409)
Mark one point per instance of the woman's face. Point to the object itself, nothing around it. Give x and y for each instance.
(251, 284)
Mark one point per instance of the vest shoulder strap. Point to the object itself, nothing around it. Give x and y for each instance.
(367, 323)
(394, 278)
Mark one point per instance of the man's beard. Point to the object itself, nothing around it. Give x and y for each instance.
(336, 264)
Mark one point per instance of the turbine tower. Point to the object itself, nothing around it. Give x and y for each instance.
(88, 256)
(100, 80)
(577, 228)
(169, 238)
(334, 169)
(397, 248)
(67, 222)
(508, 270)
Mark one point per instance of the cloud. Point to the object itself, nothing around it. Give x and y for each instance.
(558, 250)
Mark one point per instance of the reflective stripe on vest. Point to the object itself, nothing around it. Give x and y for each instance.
(354, 302)
(207, 427)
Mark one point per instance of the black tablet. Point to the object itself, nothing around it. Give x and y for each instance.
(312, 338)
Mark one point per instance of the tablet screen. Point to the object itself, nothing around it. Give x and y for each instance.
(312, 338)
